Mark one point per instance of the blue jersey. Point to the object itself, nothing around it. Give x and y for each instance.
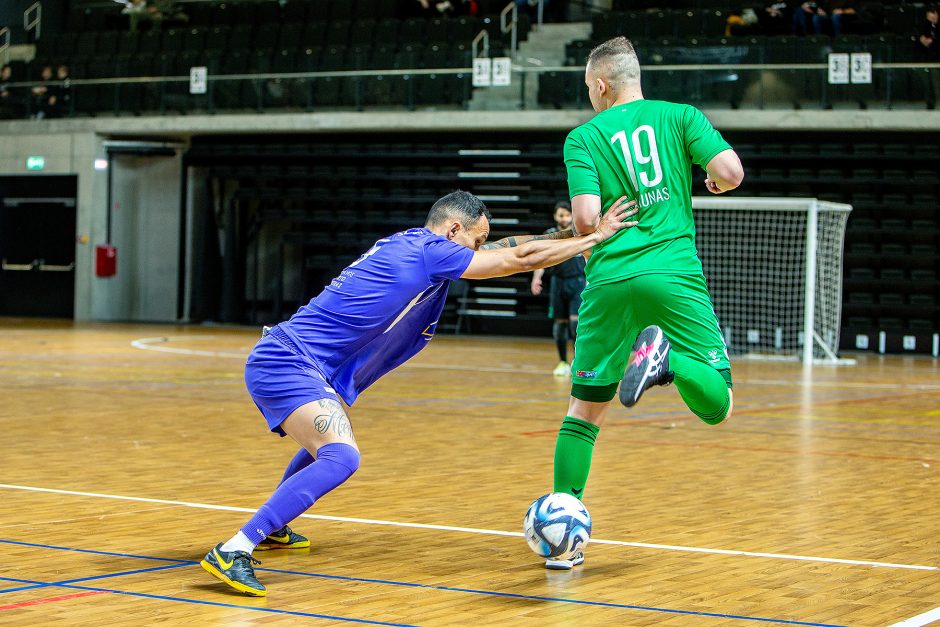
(380, 311)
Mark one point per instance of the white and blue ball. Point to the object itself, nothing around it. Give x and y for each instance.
(557, 525)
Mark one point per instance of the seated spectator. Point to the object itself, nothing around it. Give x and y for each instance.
(740, 22)
(40, 94)
(10, 106)
(928, 51)
(803, 16)
(59, 96)
(421, 8)
(139, 11)
(170, 12)
(444, 8)
(776, 19)
(832, 17)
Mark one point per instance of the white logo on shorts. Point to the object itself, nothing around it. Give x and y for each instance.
(713, 356)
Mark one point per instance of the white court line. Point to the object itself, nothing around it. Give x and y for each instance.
(921, 619)
(157, 344)
(151, 344)
(491, 532)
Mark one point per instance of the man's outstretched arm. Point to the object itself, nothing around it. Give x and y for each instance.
(539, 252)
(516, 240)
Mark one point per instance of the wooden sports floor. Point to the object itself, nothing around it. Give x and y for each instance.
(129, 451)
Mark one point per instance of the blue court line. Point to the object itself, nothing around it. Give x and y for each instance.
(252, 608)
(108, 553)
(93, 578)
(424, 586)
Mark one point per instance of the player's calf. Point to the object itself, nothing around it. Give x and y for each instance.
(720, 416)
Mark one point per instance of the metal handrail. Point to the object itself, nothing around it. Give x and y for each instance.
(463, 70)
(4, 43)
(485, 38)
(29, 24)
(507, 27)
(37, 265)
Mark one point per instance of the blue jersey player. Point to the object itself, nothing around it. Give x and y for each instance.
(379, 312)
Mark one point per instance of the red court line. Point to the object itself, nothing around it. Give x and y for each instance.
(747, 411)
(63, 597)
(764, 449)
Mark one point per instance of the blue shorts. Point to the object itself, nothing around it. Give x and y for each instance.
(280, 379)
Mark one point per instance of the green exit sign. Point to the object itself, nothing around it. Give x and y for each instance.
(35, 163)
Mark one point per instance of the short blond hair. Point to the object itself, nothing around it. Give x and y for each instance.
(615, 60)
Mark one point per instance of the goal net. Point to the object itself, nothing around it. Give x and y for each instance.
(774, 270)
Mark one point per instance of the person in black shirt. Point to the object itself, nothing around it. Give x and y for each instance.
(567, 283)
(928, 49)
(9, 107)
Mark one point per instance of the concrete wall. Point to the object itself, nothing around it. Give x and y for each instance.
(146, 231)
(145, 228)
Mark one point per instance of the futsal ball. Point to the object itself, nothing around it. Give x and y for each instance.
(557, 525)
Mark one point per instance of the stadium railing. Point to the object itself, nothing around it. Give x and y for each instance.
(748, 86)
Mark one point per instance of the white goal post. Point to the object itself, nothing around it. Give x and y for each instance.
(774, 271)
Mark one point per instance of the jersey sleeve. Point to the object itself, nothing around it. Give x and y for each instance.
(701, 138)
(582, 173)
(444, 259)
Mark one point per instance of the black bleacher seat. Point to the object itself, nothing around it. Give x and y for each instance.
(890, 323)
(861, 274)
(86, 43)
(413, 30)
(244, 13)
(386, 32)
(132, 96)
(242, 37)
(107, 42)
(294, 12)
(267, 36)
(922, 325)
(890, 298)
(660, 24)
(149, 42)
(314, 34)
(337, 33)
(172, 40)
(901, 19)
(268, 13)
(435, 57)
(552, 89)
(894, 224)
(217, 38)
(436, 31)
(688, 23)
(463, 29)
(291, 36)
(361, 32)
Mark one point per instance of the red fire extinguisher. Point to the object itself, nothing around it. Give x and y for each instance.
(105, 260)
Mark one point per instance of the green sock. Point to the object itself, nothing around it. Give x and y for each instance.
(702, 388)
(573, 452)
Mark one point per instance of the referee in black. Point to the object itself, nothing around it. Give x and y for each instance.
(567, 283)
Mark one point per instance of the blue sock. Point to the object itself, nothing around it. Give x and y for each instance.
(301, 460)
(334, 464)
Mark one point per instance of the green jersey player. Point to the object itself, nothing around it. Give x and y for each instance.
(646, 317)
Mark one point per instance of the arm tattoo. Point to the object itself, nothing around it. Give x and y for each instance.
(511, 242)
(333, 419)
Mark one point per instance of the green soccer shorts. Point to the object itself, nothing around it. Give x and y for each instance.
(613, 314)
